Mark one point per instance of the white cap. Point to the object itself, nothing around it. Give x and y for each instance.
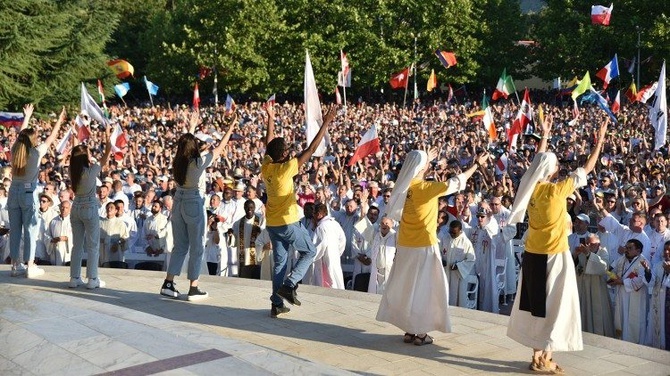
(204, 137)
(584, 218)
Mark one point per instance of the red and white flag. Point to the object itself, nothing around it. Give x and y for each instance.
(369, 144)
(196, 97)
(119, 142)
(522, 119)
(271, 100)
(646, 92)
(601, 15)
(617, 103)
(400, 79)
(345, 63)
(62, 144)
(338, 98)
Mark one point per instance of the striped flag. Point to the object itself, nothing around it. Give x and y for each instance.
(196, 97)
(338, 98)
(62, 144)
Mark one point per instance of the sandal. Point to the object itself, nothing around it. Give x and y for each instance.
(425, 340)
(408, 338)
(548, 366)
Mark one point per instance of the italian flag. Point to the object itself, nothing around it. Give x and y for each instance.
(505, 86)
(488, 119)
(369, 144)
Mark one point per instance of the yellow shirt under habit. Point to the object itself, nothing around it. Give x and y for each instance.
(547, 228)
(281, 207)
(418, 224)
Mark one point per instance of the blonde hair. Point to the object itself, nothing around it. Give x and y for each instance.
(21, 151)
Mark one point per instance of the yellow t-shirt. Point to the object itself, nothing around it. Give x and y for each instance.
(547, 228)
(281, 208)
(418, 224)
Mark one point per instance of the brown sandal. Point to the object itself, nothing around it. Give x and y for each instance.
(425, 340)
(548, 366)
(408, 338)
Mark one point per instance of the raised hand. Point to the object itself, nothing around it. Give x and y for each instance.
(28, 110)
(330, 114)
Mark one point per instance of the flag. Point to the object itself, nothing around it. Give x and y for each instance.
(501, 164)
(271, 100)
(11, 119)
(62, 144)
(122, 89)
(583, 86)
(196, 97)
(448, 59)
(631, 67)
(505, 86)
(342, 80)
(101, 92)
(523, 118)
(610, 71)
(575, 114)
(617, 103)
(631, 93)
(204, 72)
(369, 144)
(556, 84)
(313, 116)
(601, 15)
(488, 119)
(91, 108)
(230, 104)
(400, 79)
(432, 81)
(658, 111)
(344, 75)
(83, 133)
(450, 94)
(338, 98)
(151, 87)
(592, 96)
(646, 92)
(121, 68)
(118, 141)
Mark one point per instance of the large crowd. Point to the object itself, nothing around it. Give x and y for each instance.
(622, 211)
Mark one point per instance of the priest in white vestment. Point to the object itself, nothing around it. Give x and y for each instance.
(481, 237)
(658, 330)
(59, 236)
(458, 258)
(330, 242)
(113, 236)
(382, 254)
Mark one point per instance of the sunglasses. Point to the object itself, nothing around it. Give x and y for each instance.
(611, 202)
(481, 216)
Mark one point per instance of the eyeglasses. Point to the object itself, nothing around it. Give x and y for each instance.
(611, 201)
(481, 216)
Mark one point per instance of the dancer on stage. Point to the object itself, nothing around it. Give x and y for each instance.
(416, 295)
(546, 314)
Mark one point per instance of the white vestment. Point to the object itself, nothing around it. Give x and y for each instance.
(594, 300)
(656, 328)
(485, 255)
(382, 254)
(459, 256)
(59, 253)
(329, 241)
(630, 307)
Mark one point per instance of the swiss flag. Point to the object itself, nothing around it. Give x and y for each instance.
(400, 79)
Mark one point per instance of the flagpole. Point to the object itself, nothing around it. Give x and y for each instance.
(344, 91)
(404, 100)
(124, 102)
(638, 55)
(416, 91)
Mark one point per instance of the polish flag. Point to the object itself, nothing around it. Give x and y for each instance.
(83, 133)
(369, 144)
(119, 142)
(601, 15)
(62, 144)
(338, 98)
(617, 103)
(271, 100)
(196, 97)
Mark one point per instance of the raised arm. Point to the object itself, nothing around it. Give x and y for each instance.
(107, 151)
(219, 149)
(54, 132)
(193, 121)
(481, 159)
(546, 130)
(307, 153)
(270, 134)
(27, 114)
(595, 153)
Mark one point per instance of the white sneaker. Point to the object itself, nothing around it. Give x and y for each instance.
(75, 282)
(18, 270)
(94, 283)
(34, 272)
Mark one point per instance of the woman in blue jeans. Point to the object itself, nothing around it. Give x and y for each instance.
(22, 199)
(188, 209)
(84, 216)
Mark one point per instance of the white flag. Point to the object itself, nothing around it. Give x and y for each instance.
(313, 118)
(658, 111)
(92, 108)
(62, 144)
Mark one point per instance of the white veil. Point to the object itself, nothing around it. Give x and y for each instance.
(542, 167)
(414, 162)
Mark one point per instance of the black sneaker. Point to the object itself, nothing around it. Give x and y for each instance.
(289, 294)
(169, 289)
(277, 310)
(194, 293)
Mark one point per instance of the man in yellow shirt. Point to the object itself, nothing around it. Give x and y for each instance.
(546, 314)
(282, 214)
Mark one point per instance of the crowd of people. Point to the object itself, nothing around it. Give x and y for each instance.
(239, 169)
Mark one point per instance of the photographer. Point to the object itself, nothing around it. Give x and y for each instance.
(214, 245)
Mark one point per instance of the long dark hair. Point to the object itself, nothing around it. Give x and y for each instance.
(187, 150)
(78, 161)
(21, 151)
